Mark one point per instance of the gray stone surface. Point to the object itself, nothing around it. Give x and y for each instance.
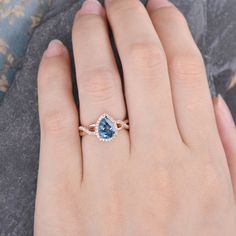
(213, 24)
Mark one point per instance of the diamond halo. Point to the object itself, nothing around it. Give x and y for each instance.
(112, 125)
(105, 129)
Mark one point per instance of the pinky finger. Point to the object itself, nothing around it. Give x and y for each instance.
(227, 131)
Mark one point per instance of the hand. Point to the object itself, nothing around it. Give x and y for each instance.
(169, 174)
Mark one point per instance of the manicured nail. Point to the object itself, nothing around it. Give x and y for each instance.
(55, 48)
(226, 113)
(91, 7)
(156, 4)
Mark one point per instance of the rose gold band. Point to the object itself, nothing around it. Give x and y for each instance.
(91, 129)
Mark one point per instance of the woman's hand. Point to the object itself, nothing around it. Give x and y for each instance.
(169, 174)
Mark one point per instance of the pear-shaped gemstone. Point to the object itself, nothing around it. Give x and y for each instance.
(106, 128)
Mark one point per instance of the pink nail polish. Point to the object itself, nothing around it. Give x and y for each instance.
(156, 4)
(226, 113)
(91, 7)
(55, 48)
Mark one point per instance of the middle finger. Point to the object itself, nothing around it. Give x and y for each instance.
(147, 85)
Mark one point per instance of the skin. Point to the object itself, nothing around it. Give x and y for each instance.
(174, 172)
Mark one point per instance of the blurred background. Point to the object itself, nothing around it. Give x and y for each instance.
(26, 28)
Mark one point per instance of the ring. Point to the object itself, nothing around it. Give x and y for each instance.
(106, 128)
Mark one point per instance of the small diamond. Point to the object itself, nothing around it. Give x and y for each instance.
(106, 128)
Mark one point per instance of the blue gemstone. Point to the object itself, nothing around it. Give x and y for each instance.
(106, 128)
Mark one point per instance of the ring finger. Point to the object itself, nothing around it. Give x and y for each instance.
(100, 89)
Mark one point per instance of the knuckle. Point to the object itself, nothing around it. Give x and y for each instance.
(59, 121)
(187, 65)
(147, 55)
(98, 84)
(149, 60)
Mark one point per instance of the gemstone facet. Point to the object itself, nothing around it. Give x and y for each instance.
(106, 128)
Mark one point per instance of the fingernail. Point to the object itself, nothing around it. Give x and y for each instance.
(108, 1)
(225, 111)
(55, 48)
(156, 4)
(91, 7)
